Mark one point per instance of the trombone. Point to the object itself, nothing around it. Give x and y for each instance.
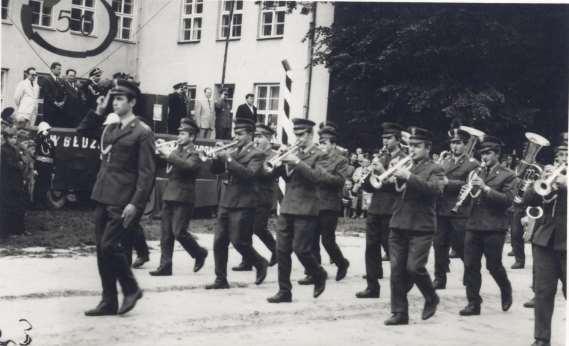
(204, 156)
(274, 162)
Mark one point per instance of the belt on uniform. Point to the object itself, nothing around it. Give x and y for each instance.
(44, 159)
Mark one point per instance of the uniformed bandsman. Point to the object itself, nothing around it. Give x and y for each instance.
(123, 184)
(490, 198)
(183, 164)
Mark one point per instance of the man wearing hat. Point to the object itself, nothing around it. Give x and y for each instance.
(549, 247)
(91, 90)
(336, 170)
(380, 210)
(413, 224)
(183, 164)
(491, 196)
(296, 226)
(176, 107)
(266, 192)
(44, 155)
(121, 191)
(236, 214)
(450, 225)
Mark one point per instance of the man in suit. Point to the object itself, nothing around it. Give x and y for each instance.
(247, 110)
(450, 224)
(380, 210)
(53, 96)
(183, 164)
(296, 226)
(205, 115)
(223, 119)
(549, 248)
(266, 191)
(121, 191)
(26, 96)
(236, 214)
(490, 198)
(336, 171)
(413, 224)
(176, 107)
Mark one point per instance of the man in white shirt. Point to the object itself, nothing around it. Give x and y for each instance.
(26, 97)
(205, 115)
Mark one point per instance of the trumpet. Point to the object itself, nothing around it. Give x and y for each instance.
(204, 156)
(160, 143)
(466, 189)
(534, 213)
(274, 162)
(544, 186)
(378, 180)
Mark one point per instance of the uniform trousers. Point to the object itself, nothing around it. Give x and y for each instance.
(112, 252)
(176, 218)
(490, 244)
(137, 242)
(517, 235)
(377, 235)
(234, 225)
(261, 229)
(550, 266)
(450, 232)
(296, 233)
(409, 255)
(326, 228)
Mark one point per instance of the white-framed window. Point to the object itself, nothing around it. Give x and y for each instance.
(192, 20)
(3, 84)
(272, 19)
(82, 16)
(236, 22)
(5, 8)
(191, 94)
(41, 15)
(125, 10)
(267, 101)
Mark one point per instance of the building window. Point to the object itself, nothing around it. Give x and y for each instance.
(82, 16)
(191, 94)
(124, 9)
(41, 15)
(236, 23)
(272, 19)
(5, 6)
(192, 20)
(267, 102)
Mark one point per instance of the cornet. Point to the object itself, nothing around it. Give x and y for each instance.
(543, 186)
(274, 162)
(204, 156)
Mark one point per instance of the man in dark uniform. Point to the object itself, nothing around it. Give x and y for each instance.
(450, 224)
(549, 248)
(124, 182)
(183, 164)
(236, 214)
(12, 191)
(412, 228)
(223, 119)
(380, 210)
(296, 226)
(176, 107)
(266, 186)
(490, 198)
(336, 170)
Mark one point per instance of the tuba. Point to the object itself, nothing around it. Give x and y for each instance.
(475, 136)
(527, 170)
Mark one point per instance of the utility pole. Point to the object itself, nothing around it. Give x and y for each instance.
(227, 38)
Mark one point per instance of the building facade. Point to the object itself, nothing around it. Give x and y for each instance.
(163, 42)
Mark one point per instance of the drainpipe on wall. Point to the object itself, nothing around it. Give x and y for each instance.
(138, 40)
(314, 7)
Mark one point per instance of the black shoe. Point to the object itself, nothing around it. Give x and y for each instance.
(530, 304)
(200, 261)
(385, 258)
(518, 265)
(273, 259)
(470, 310)
(129, 302)
(320, 284)
(307, 280)
(511, 254)
(280, 297)
(396, 319)
(368, 293)
(103, 309)
(541, 343)
(506, 294)
(217, 285)
(430, 307)
(261, 272)
(342, 270)
(440, 283)
(162, 271)
(243, 267)
(139, 262)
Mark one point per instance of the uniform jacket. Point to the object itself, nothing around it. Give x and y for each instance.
(176, 110)
(488, 212)
(243, 111)
(301, 195)
(552, 226)
(239, 189)
(26, 98)
(457, 174)
(182, 170)
(127, 171)
(336, 170)
(383, 200)
(415, 210)
(266, 183)
(222, 114)
(205, 114)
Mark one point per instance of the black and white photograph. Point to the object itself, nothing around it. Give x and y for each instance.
(305, 173)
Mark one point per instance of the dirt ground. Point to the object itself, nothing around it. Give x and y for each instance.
(52, 291)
